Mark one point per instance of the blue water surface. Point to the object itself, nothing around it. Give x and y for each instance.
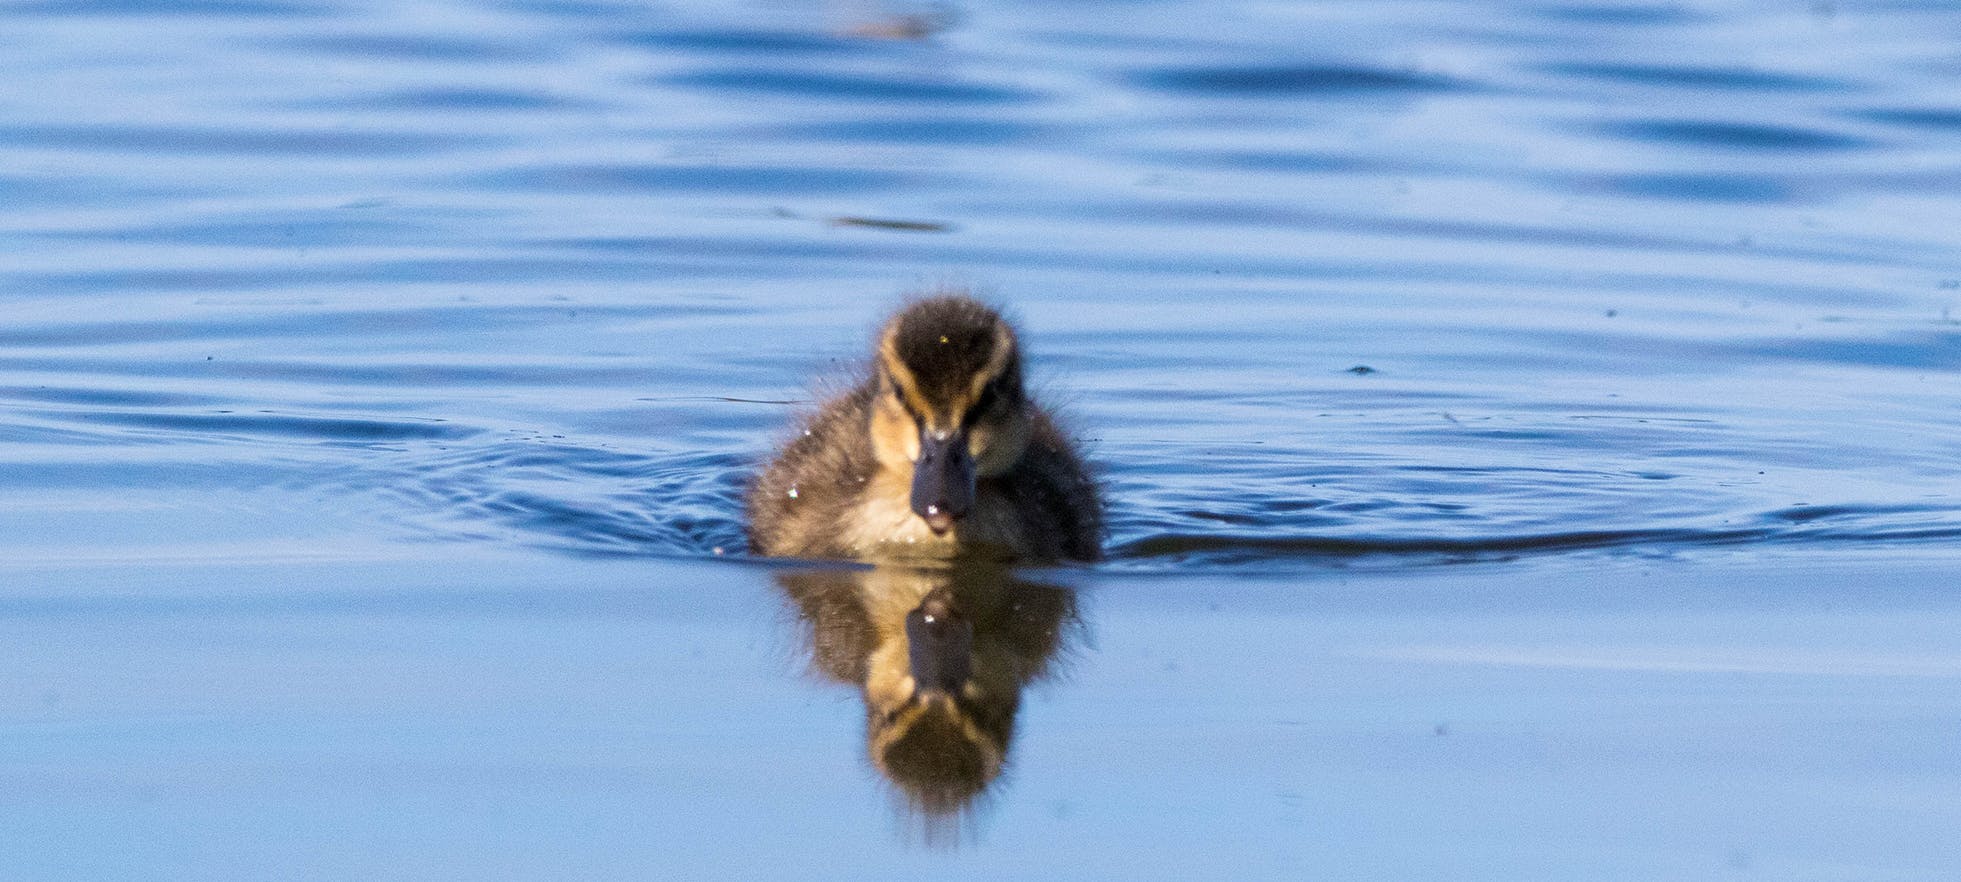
(1532, 431)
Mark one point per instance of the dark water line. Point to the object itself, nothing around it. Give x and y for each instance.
(1185, 553)
(702, 521)
(1309, 547)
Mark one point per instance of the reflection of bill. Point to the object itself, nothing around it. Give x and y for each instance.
(942, 656)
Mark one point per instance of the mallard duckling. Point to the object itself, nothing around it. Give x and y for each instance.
(938, 453)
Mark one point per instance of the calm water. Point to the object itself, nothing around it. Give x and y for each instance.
(1533, 434)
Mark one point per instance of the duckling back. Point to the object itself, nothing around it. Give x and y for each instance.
(813, 487)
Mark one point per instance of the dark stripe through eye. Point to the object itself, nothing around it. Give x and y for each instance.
(990, 395)
(899, 395)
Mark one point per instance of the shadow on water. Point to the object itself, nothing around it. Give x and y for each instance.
(940, 658)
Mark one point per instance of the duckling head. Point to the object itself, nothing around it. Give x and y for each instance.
(950, 406)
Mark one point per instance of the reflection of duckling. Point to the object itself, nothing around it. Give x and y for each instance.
(939, 453)
(942, 656)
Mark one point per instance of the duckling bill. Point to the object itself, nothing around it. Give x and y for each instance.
(938, 453)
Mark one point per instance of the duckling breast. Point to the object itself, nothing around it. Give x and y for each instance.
(885, 527)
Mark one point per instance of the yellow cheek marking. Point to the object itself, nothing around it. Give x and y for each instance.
(997, 361)
(894, 437)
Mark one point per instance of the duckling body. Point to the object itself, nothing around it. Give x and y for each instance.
(938, 453)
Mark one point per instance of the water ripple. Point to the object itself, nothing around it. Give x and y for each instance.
(93, 397)
(234, 141)
(1936, 118)
(331, 227)
(1230, 549)
(1273, 542)
(1736, 136)
(773, 44)
(882, 88)
(919, 130)
(1620, 14)
(1308, 79)
(461, 99)
(220, 321)
(1741, 187)
(1929, 350)
(419, 47)
(585, 500)
(777, 179)
(1689, 76)
(505, 268)
(222, 426)
(209, 8)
